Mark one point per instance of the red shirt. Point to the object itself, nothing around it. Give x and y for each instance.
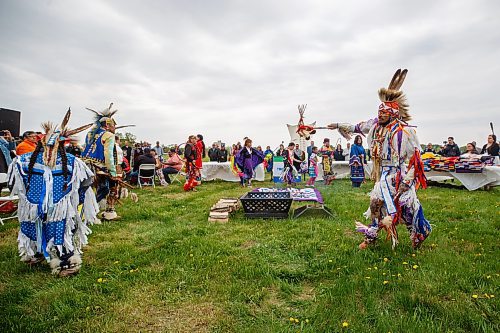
(199, 153)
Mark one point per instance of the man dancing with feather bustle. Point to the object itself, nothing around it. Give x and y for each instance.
(393, 143)
(51, 184)
(100, 153)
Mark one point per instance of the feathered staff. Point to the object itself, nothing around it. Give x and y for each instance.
(304, 130)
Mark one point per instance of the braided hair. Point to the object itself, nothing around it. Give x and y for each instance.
(33, 158)
(64, 161)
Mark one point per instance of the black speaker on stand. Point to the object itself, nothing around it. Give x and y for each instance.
(10, 120)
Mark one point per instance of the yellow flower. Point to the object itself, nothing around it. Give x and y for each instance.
(330, 260)
(116, 262)
(399, 275)
(492, 296)
(474, 296)
(307, 321)
(190, 254)
(100, 280)
(386, 282)
(386, 260)
(345, 324)
(414, 266)
(375, 268)
(383, 273)
(291, 319)
(405, 263)
(413, 254)
(131, 271)
(367, 277)
(296, 320)
(488, 276)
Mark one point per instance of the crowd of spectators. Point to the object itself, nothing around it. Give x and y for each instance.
(170, 160)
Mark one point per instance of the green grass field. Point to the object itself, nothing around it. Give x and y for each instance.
(163, 267)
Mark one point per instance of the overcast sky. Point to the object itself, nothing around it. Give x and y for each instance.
(229, 69)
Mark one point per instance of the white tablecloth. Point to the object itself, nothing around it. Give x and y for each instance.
(215, 170)
(472, 181)
(343, 170)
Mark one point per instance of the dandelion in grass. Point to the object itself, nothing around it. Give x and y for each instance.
(330, 260)
(414, 266)
(116, 262)
(345, 324)
(475, 296)
(291, 319)
(100, 280)
(488, 276)
(405, 263)
(386, 282)
(296, 321)
(367, 277)
(307, 321)
(191, 255)
(386, 260)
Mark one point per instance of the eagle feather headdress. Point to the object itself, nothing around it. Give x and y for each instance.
(393, 99)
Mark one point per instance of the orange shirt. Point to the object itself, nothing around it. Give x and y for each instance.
(24, 147)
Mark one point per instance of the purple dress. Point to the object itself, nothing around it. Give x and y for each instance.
(247, 161)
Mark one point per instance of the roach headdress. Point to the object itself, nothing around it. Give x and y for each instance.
(393, 100)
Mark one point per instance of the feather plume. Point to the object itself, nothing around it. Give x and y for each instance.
(394, 80)
(72, 132)
(66, 119)
(401, 79)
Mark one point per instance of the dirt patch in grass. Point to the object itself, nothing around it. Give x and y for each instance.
(144, 312)
(307, 294)
(9, 236)
(270, 301)
(248, 244)
(178, 196)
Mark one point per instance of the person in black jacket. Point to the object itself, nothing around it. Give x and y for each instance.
(429, 149)
(213, 153)
(127, 152)
(223, 154)
(338, 154)
(450, 149)
(491, 148)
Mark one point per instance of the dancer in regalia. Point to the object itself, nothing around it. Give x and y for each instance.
(392, 141)
(357, 161)
(290, 173)
(101, 155)
(51, 184)
(247, 160)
